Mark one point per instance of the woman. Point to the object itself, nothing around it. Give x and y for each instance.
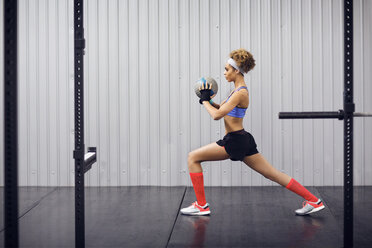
(238, 145)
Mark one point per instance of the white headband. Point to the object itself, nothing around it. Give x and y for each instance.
(233, 64)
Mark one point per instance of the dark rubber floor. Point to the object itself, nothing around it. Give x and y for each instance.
(29, 198)
(149, 217)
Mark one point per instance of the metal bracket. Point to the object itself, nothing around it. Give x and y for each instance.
(90, 158)
(78, 154)
(79, 43)
(349, 108)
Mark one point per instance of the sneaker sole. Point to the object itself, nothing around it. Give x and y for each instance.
(316, 209)
(313, 211)
(198, 214)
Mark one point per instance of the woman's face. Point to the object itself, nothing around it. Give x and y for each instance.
(230, 73)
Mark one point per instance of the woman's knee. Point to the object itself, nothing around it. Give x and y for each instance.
(193, 163)
(191, 158)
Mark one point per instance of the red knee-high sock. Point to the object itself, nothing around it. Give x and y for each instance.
(297, 188)
(198, 183)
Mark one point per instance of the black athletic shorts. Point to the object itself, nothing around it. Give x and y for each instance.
(238, 144)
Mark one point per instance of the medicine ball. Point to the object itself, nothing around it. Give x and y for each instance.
(205, 80)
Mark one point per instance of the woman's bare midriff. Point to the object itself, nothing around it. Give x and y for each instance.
(232, 124)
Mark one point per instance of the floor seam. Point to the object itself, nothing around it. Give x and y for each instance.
(333, 213)
(178, 210)
(33, 206)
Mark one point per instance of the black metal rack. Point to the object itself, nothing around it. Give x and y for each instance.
(83, 162)
(347, 115)
(10, 123)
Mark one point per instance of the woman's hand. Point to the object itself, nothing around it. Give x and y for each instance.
(205, 93)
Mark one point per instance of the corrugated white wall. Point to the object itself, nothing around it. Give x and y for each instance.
(142, 59)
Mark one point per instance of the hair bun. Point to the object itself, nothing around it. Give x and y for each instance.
(243, 59)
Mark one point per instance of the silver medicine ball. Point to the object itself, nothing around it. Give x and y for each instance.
(205, 80)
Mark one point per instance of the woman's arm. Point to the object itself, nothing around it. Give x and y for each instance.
(224, 108)
(216, 105)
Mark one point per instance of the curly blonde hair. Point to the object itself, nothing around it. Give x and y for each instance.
(243, 59)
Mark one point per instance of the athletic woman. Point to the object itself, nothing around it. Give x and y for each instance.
(238, 145)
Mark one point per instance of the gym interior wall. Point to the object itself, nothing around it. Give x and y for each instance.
(142, 60)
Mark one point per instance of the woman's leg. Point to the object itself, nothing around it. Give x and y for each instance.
(258, 163)
(211, 152)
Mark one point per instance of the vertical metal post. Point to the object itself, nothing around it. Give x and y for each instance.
(347, 114)
(79, 151)
(349, 109)
(10, 124)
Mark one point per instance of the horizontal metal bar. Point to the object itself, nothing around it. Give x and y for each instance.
(320, 115)
(312, 115)
(358, 114)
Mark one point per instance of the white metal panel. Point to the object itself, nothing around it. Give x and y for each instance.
(317, 83)
(307, 80)
(327, 28)
(91, 86)
(367, 86)
(175, 166)
(52, 81)
(225, 87)
(276, 79)
(338, 88)
(358, 93)
(154, 86)
(103, 97)
(134, 92)
(113, 85)
(245, 15)
(142, 60)
(235, 42)
(184, 92)
(215, 71)
(144, 76)
(266, 83)
(44, 123)
(164, 92)
(2, 94)
(71, 96)
(23, 92)
(67, 163)
(194, 50)
(205, 70)
(297, 87)
(286, 93)
(123, 51)
(33, 98)
(43, 43)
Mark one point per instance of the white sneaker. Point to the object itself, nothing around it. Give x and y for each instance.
(195, 209)
(309, 207)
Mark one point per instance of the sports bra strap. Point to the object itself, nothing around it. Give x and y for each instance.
(241, 87)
